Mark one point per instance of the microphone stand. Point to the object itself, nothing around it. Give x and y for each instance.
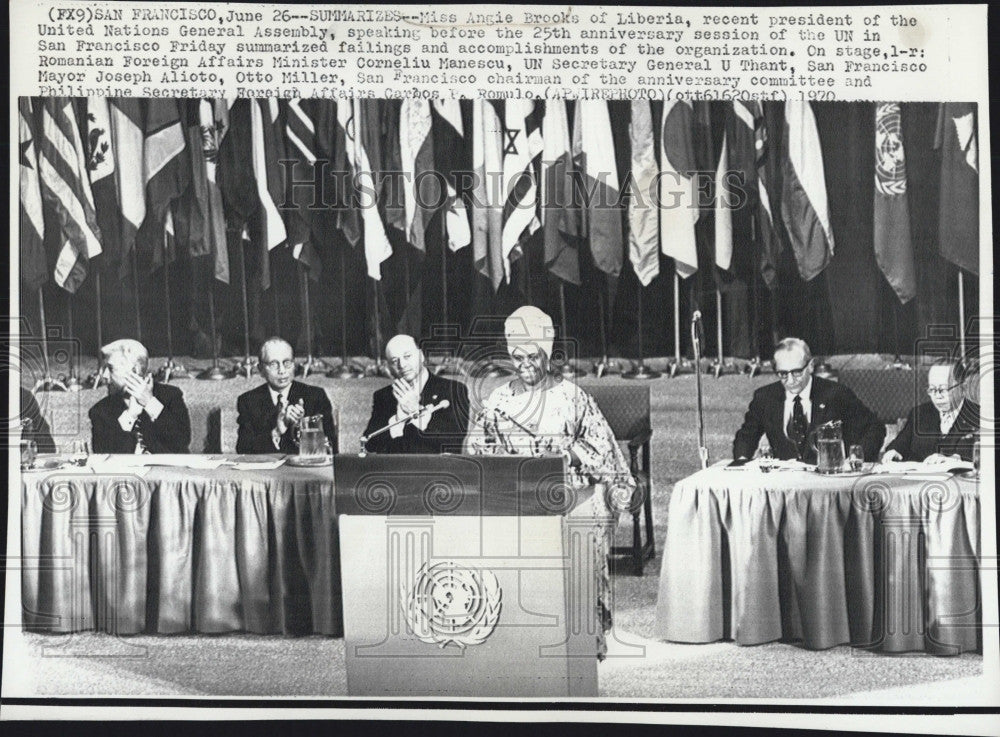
(696, 344)
(401, 421)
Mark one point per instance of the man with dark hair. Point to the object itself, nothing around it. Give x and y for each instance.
(138, 415)
(414, 389)
(788, 410)
(269, 416)
(946, 427)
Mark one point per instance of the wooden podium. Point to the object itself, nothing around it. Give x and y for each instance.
(466, 576)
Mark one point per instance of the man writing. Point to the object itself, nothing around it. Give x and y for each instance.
(414, 388)
(269, 416)
(944, 428)
(138, 415)
(788, 410)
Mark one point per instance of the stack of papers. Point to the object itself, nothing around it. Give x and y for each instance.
(255, 463)
(949, 466)
(774, 465)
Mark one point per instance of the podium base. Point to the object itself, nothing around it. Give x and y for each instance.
(311, 366)
(214, 373)
(73, 384)
(172, 370)
(642, 373)
(344, 371)
(97, 379)
(607, 367)
(244, 367)
(718, 368)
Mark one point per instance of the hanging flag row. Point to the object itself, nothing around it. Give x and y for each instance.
(720, 188)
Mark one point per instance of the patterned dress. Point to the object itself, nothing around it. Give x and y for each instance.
(555, 420)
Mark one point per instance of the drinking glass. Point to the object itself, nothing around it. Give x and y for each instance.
(79, 451)
(856, 457)
(765, 458)
(29, 449)
(976, 456)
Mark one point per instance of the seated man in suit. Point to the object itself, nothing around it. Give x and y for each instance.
(138, 415)
(269, 416)
(438, 431)
(788, 410)
(33, 424)
(944, 428)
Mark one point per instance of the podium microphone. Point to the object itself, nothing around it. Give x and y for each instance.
(425, 409)
(697, 336)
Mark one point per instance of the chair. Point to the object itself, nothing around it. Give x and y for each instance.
(626, 408)
(206, 429)
(889, 393)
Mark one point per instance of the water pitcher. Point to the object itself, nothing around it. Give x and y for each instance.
(829, 446)
(312, 441)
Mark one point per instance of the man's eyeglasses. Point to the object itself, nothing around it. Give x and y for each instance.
(794, 373)
(275, 365)
(937, 391)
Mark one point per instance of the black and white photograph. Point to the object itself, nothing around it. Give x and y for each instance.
(557, 399)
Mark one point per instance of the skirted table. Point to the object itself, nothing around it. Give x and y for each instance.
(181, 550)
(878, 561)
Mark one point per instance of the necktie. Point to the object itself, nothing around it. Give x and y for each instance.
(140, 445)
(798, 427)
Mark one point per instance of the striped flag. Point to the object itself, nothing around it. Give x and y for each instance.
(167, 172)
(66, 191)
(348, 218)
(263, 118)
(560, 213)
(354, 117)
(487, 216)
(416, 146)
(102, 169)
(594, 159)
(522, 149)
(893, 245)
(33, 266)
(128, 124)
(300, 134)
(452, 155)
(752, 115)
(678, 202)
(213, 122)
(643, 215)
(804, 207)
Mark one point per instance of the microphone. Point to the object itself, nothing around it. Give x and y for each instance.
(427, 408)
(697, 329)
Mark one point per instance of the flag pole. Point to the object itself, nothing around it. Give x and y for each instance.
(312, 364)
(244, 367)
(719, 365)
(345, 370)
(135, 292)
(641, 371)
(98, 378)
(449, 364)
(961, 313)
(696, 328)
(378, 369)
(568, 371)
(46, 383)
(72, 381)
(680, 364)
(213, 372)
(753, 366)
(169, 370)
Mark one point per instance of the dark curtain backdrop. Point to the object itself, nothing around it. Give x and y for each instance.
(849, 308)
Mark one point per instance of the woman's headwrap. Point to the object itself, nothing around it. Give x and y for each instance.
(529, 326)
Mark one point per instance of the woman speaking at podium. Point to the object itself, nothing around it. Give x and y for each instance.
(539, 413)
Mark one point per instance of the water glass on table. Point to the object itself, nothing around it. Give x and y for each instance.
(856, 458)
(29, 449)
(79, 452)
(765, 458)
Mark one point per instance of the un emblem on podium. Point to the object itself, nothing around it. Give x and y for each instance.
(452, 604)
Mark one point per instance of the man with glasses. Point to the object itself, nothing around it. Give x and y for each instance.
(790, 409)
(414, 389)
(944, 428)
(269, 416)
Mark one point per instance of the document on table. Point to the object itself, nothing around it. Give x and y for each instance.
(255, 463)
(949, 466)
(174, 460)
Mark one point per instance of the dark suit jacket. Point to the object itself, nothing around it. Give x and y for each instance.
(39, 428)
(257, 416)
(921, 434)
(445, 431)
(170, 433)
(830, 401)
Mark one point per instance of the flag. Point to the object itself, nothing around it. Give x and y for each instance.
(213, 122)
(451, 157)
(360, 122)
(752, 115)
(302, 150)
(263, 119)
(34, 269)
(348, 216)
(957, 141)
(166, 170)
(594, 159)
(804, 207)
(742, 186)
(893, 246)
(128, 125)
(560, 213)
(678, 204)
(416, 145)
(487, 215)
(522, 148)
(66, 191)
(644, 224)
(723, 213)
(101, 167)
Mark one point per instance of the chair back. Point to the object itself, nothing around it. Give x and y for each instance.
(624, 406)
(889, 393)
(206, 428)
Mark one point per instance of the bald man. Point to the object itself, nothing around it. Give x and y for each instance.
(414, 387)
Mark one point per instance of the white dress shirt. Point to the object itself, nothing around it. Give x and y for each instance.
(948, 418)
(421, 422)
(806, 405)
(126, 421)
